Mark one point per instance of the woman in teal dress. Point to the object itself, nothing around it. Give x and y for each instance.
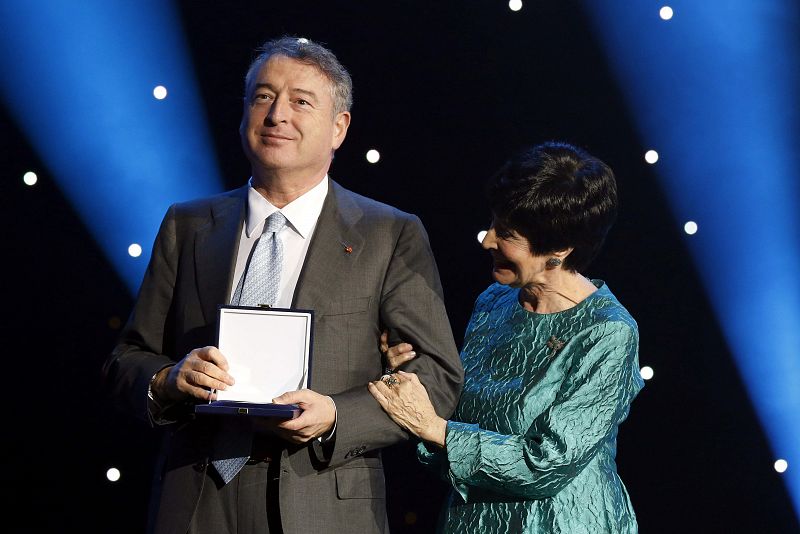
(550, 359)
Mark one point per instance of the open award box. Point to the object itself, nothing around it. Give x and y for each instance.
(269, 353)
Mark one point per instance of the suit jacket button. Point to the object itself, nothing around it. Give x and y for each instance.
(200, 466)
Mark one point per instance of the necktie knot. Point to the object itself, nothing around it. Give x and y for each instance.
(275, 222)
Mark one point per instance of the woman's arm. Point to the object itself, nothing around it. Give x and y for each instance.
(594, 399)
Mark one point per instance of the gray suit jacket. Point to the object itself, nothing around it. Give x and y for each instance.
(386, 278)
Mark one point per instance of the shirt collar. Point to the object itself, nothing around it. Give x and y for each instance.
(302, 213)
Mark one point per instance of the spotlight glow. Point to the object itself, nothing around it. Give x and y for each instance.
(665, 13)
(160, 92)
(646, 372)
(781, 465)
(481, 236)
(651, 156)
(690, 227)
(515, 5)
(373, 156)
(113, 474)
(135, 250)
(98, 65)
(717, 143)
(30, 178)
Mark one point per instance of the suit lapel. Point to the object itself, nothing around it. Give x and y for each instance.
(216, 246)
(334, 248)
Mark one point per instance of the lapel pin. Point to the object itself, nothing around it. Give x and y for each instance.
(347, 248)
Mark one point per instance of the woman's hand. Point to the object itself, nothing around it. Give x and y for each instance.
(406, 400)
(396, 355)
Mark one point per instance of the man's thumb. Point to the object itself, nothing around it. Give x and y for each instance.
(290, 397)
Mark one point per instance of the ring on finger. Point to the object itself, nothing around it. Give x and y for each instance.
(390, 381)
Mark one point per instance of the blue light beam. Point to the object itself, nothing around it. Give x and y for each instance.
(79, 79)
(715, 91)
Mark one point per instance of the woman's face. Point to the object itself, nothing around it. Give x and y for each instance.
(514, 263)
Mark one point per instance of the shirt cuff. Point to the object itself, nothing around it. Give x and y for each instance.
(327, 437)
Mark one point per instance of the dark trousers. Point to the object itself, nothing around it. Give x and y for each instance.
(248, 504)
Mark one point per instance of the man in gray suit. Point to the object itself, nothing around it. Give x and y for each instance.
(362, 266)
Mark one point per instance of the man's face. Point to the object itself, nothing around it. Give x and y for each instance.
(288, 126)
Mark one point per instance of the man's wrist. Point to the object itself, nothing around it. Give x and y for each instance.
(329, 435)
(151, 394)
(155, 388)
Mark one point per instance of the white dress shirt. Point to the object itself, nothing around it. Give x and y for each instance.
(302, 214)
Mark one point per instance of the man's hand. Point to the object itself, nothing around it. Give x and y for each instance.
(194, 376)
(317, 419)
(396, 355)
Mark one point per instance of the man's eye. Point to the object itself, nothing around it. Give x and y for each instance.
(303, 102)
(262, 97)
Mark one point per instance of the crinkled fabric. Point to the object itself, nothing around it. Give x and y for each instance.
(531, 446)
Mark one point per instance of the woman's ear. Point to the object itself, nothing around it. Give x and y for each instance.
(561, 254)
(557, 258)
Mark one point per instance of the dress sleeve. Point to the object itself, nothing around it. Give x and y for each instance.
(593, 400)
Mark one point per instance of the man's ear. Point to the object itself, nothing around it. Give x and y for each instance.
(340, 125)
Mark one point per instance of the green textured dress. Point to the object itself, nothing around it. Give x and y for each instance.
(532, 443)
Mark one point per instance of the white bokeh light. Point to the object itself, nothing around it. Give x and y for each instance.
(30, 178)
(481, 235)
(514, 5)
(113, 474)
(665, 13)
(781, 465)
(373, 156)
(160, 92)
(651, 156)
(690, 227)
(135, 250)
(646, 372)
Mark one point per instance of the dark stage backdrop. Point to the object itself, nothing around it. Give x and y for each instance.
(446, 91)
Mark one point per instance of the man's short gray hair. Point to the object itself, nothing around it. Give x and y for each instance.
(310, 53)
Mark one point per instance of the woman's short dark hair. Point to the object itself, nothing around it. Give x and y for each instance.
(557, 196)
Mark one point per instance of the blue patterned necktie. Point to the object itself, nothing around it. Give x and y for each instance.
(262, 279)
(259, 285)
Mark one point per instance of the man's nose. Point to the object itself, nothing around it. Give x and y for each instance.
(278, 112)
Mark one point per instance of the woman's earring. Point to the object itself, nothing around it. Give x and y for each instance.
(552, 263)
